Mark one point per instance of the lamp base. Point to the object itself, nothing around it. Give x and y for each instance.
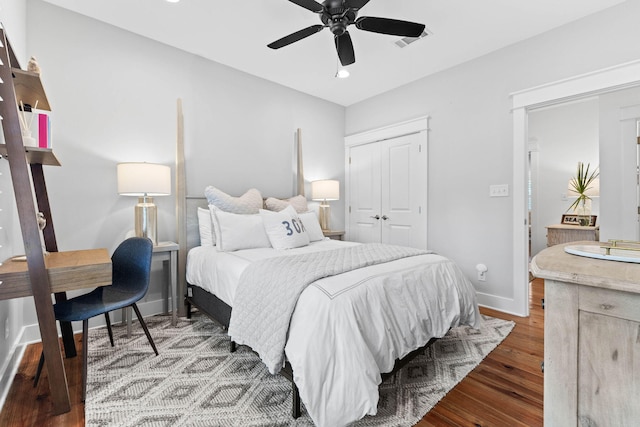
(146, 219)
(324, 217)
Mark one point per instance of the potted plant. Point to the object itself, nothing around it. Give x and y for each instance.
(581, 184)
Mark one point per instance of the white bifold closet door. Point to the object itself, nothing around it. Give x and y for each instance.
(388, 192)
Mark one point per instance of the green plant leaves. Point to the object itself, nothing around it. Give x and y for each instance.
(581, 183)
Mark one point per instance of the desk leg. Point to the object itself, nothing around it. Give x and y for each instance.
(67, 331)
(166, 290)
(174, 287)
(126, 318)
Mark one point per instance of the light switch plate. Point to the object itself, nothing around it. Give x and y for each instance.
(499, 190)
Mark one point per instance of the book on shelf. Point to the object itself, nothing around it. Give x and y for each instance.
(43, 136)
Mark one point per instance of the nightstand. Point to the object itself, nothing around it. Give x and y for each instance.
(562, 233)
(167, 252)
(333, 234)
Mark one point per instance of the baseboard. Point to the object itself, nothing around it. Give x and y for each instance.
(9, 372)
(31, 333)
(506, 305)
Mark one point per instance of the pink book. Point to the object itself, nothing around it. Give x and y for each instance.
(43, 131)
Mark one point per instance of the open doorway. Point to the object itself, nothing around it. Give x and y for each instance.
(624, 76)
(560, 136)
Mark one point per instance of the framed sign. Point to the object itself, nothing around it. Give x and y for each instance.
(573, 219)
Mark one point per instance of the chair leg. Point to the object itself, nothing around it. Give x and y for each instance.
(85, 356)
(144, 326)
(39, 370)
(106, 316)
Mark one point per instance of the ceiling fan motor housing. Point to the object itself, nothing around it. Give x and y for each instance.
(337, 17)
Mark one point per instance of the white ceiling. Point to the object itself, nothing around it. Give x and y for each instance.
(236, 32)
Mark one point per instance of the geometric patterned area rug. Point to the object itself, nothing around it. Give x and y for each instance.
(196, 381)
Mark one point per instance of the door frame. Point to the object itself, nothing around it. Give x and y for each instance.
(606, 80)
(417, 125)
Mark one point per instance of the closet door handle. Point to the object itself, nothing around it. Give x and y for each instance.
(385, 217)
(375, 217)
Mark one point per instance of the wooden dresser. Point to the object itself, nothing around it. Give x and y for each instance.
(563, 233)
(591, 339)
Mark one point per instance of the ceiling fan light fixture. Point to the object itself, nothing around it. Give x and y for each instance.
(342, 73)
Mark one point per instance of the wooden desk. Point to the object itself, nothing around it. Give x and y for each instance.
(66, 271)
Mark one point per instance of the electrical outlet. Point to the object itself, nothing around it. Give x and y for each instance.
(500, 190)
(482, 272)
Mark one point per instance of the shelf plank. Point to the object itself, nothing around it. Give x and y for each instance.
(35, 155)
(29, 89)
(67, 271)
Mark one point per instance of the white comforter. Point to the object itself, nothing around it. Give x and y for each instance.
(348, 328)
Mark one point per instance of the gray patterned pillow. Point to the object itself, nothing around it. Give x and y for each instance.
(299, 203)
(249, 203)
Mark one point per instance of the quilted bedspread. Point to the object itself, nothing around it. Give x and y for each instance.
(269, 290)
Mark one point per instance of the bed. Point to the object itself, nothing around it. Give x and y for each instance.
(346, 330)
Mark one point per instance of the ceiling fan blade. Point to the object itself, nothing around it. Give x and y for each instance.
(357, 4)
(311, 5)
(294, 37)
(393, 27)
(344, 46)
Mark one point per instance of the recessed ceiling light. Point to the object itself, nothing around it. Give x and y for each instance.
(173, 1)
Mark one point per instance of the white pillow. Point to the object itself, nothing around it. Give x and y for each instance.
(299, 203)
(205, 225)
(249, 203)
(284, 228)
(312, 225)
(235, 231)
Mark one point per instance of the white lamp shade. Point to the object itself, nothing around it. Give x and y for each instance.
(144, 179)
(592, 191)
(326, 189)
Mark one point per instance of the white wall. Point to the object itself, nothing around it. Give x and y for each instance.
(564, 135)
(470, 141)
(113, 96)
(618, 148)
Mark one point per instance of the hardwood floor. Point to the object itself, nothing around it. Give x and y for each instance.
(504, 390)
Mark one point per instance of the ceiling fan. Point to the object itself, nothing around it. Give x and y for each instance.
(337, 15)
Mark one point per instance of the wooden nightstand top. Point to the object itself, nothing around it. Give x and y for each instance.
(333, 234)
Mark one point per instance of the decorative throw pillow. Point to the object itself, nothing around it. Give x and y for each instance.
(299, 203)
(237, 231)
(311, 224)
(249, 203)
(284, 228)
(205, 225)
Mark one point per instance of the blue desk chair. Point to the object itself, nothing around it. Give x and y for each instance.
(131, 266)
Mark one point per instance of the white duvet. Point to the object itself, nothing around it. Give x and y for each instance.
(349, 328)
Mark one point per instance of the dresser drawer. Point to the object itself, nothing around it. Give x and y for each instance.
(624, 305)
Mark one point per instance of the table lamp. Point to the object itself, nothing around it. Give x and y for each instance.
(144, 180)
(325, 190)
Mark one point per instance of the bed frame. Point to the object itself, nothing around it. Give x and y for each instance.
(189, 237)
